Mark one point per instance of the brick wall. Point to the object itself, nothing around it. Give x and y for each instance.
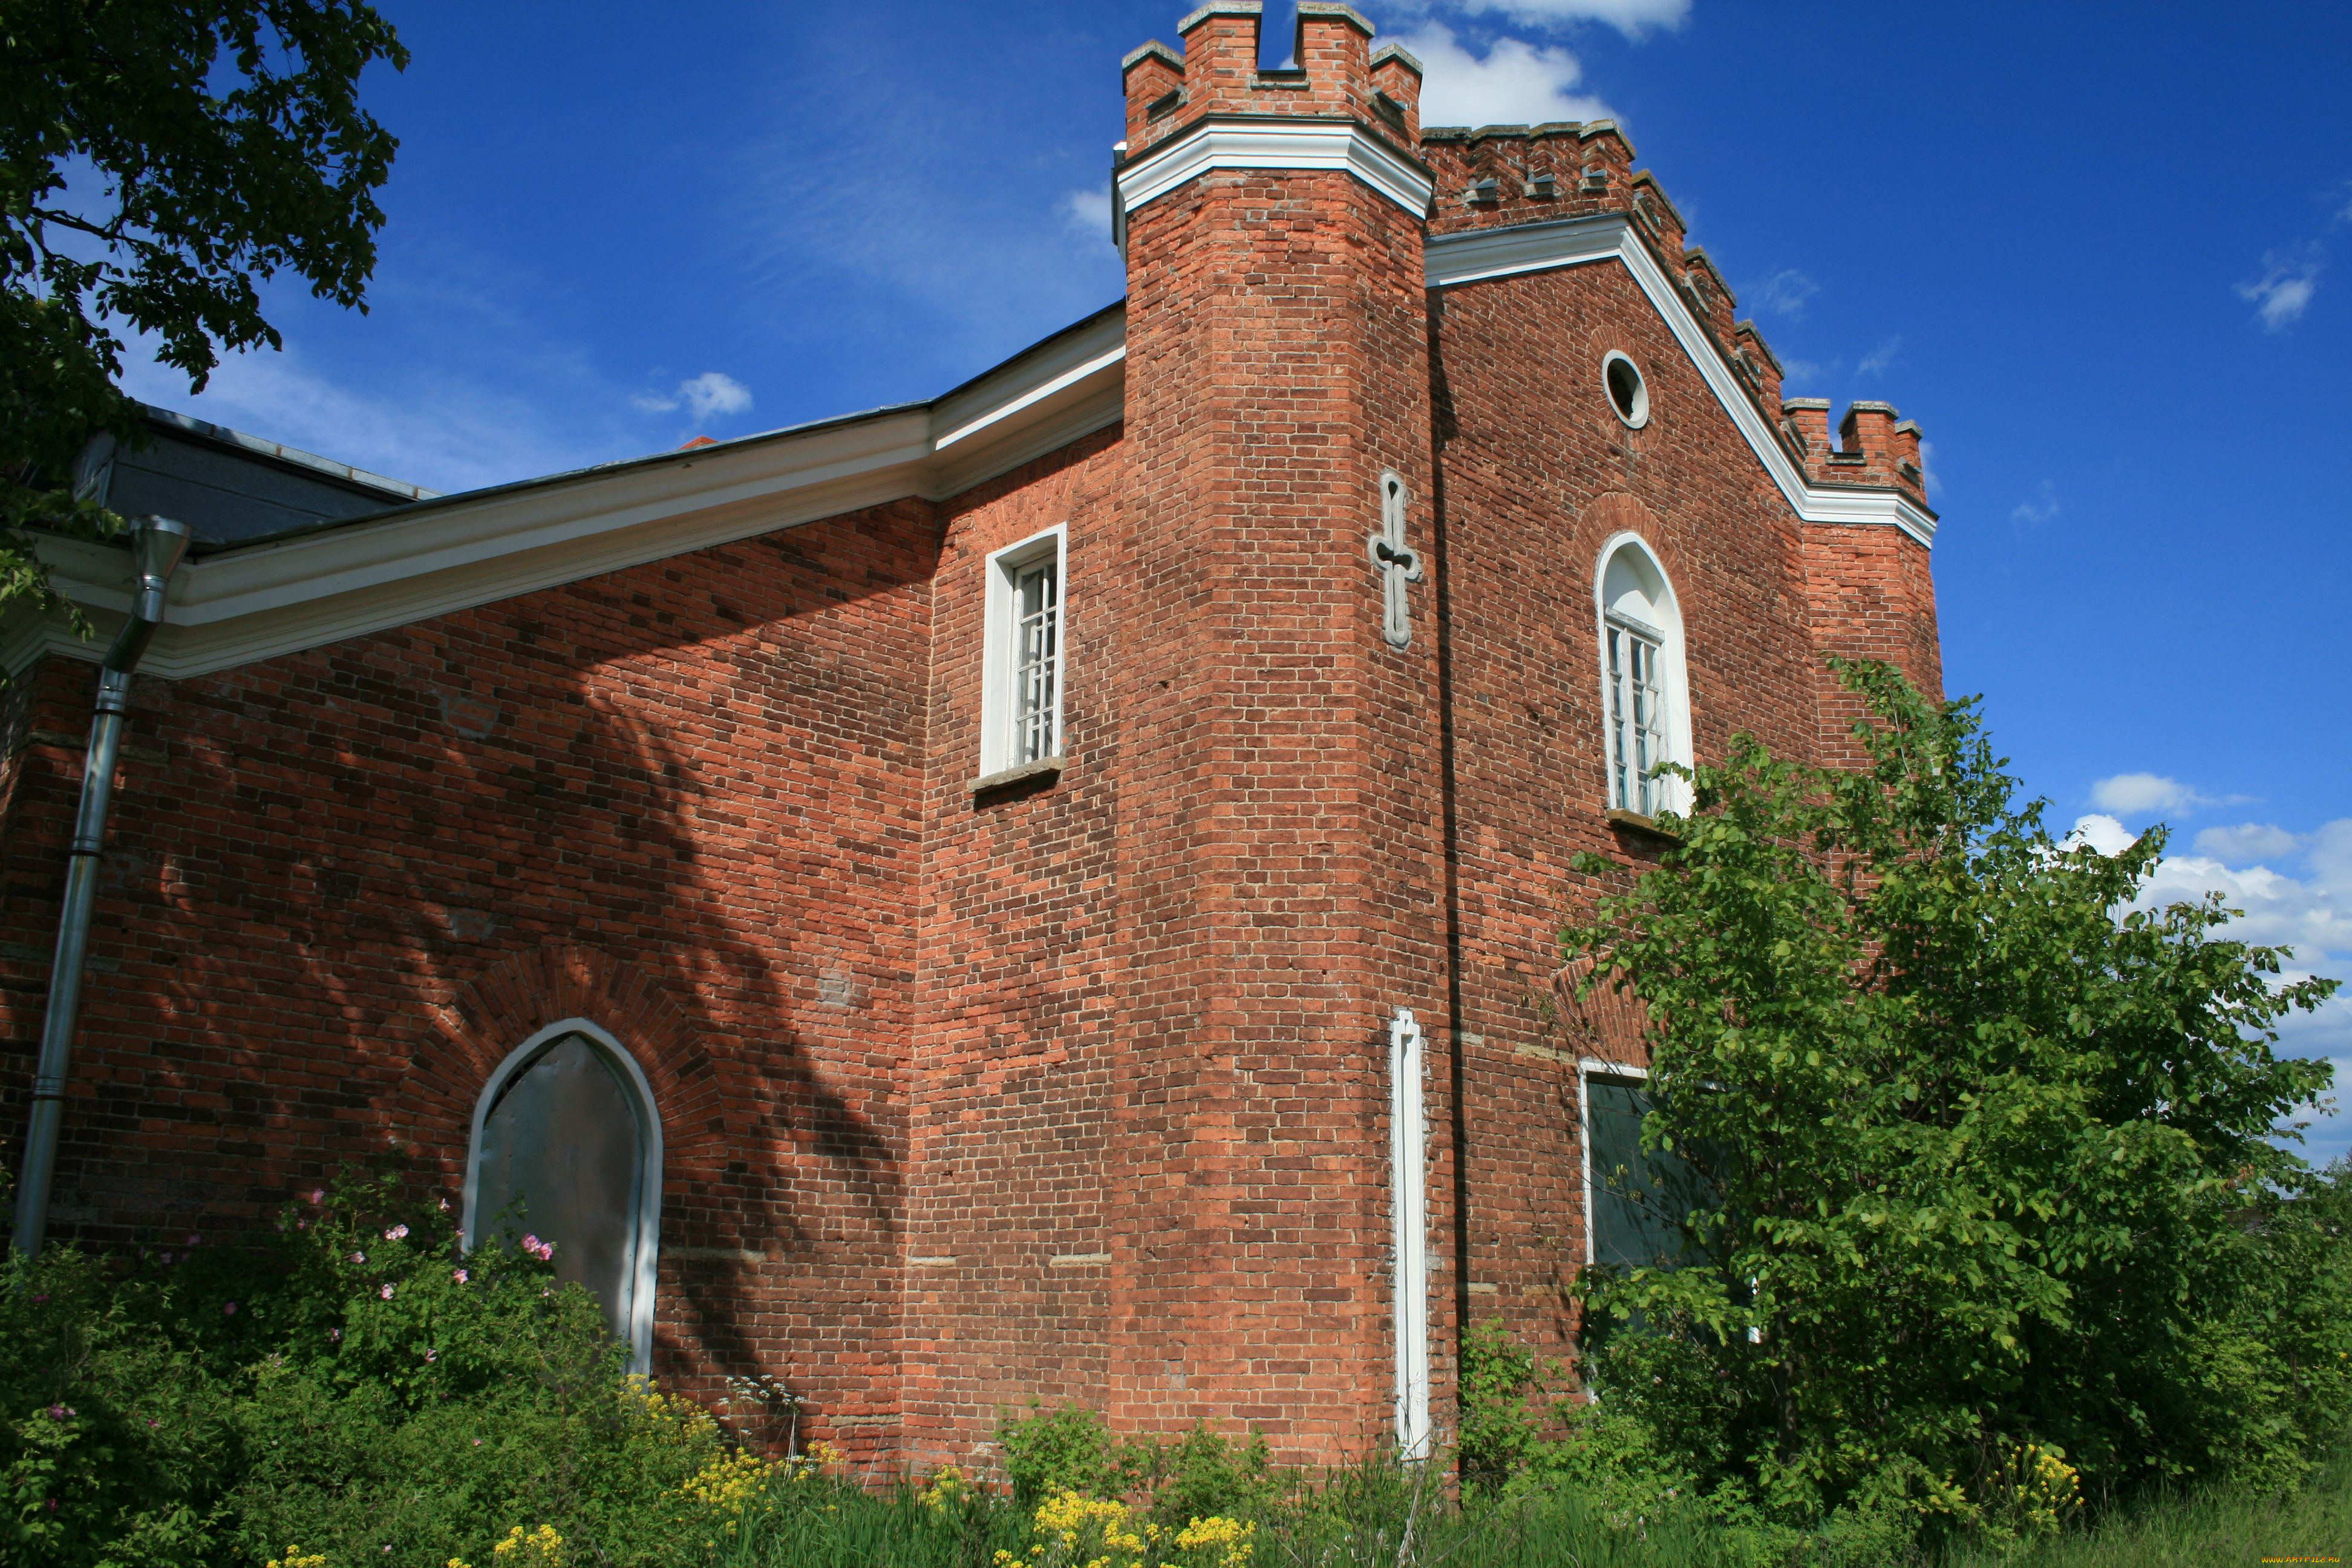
(1013, 1048)
(682, 800)
(1073, 1089)
(1539, 473)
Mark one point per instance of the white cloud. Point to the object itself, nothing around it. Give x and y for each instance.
(2102, 833)
(705, 396)
(1784, 294)
(1632, 17)
(1880, 358)
(448, 432)
(2283, 291)
(2310, 915)
(1515, 84)
(1928, 466)
(2280, 910)
(2038, 511)
(2129, 795)
(1799, 370)
(1086, 213)
(2248, 841)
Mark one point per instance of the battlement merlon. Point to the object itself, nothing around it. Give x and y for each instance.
(1880, 447)
(1335, 74)
(1493, 177)
(1396, 90)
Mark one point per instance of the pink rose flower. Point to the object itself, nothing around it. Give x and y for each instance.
(385, 1292)
(397, 1232)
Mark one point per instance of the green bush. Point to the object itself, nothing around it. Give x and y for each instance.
(358, 1389)
(1048, 1453)
(1988, 1164)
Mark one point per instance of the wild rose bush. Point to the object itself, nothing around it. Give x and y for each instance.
(358, 1392)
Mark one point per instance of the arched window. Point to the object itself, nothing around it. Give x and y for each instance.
(567, 1147)
(1645, 698)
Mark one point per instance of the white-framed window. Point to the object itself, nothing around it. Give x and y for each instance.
(567, 1147)
(1634, 1202)
(1020, 700)
(1644, 694)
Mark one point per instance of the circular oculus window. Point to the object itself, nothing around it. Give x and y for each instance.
(1629, 394)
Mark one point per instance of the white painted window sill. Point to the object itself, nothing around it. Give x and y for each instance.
(1043, 768)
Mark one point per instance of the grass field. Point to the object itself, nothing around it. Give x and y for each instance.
(2314, 1525)
(1359, 1519)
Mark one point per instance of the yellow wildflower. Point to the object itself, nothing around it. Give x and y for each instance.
(2034, 1493)
(1230, 1540)
(1070, 1531)
(541, 1548)
(295, 1559)
(946, 1489)
(729, 1484)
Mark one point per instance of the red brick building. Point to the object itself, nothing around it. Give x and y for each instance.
(967, 887)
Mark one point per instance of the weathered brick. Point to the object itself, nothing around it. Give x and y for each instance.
(1077, 1089)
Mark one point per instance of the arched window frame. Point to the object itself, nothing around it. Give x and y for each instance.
(647, 1256)
(1672, 794)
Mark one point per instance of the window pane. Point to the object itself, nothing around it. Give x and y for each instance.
(1637, 1201)
(564, 1139)
(1637, 721)
(1036, 660)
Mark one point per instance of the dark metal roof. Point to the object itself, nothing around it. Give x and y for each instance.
(232, 487)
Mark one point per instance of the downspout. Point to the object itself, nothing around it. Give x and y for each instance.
(156, 545)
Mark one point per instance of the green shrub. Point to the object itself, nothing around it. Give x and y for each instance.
(1988, 1166)
(358, 1389)
(1204, 1474)
(1047, 1452)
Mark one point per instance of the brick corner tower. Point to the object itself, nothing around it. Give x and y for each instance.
(1280, 876)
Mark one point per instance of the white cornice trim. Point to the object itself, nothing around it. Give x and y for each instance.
(1273, 144)
(1454, 259)
(237, 607)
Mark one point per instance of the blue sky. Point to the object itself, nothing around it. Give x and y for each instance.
(2102, 254)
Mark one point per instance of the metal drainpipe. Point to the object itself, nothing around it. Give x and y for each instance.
(156, 545)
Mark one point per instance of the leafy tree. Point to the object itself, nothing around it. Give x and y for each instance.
(1989, 1153)
(157, 157)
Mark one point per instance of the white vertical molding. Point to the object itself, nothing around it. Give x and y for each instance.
(1409, 1208)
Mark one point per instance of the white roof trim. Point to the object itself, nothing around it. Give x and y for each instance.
(1454, 259)
(239, 605)
(1272, 144)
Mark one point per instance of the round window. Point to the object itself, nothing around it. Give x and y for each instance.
(1628, 394)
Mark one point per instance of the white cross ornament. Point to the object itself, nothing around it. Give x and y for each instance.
(1397, 562)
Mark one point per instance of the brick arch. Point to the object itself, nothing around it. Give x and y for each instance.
(1609, 1024)
(1619, 511)
(489, 1015)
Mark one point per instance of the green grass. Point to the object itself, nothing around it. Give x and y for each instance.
(2219, 1530)
(1358, 1519)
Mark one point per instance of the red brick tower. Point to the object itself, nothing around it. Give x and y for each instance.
(1279, 869)
(1872, 592)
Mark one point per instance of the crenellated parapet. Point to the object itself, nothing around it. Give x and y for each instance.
(1498, 176)
(1876, 446)
(1336, 75)
(1347, 103)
